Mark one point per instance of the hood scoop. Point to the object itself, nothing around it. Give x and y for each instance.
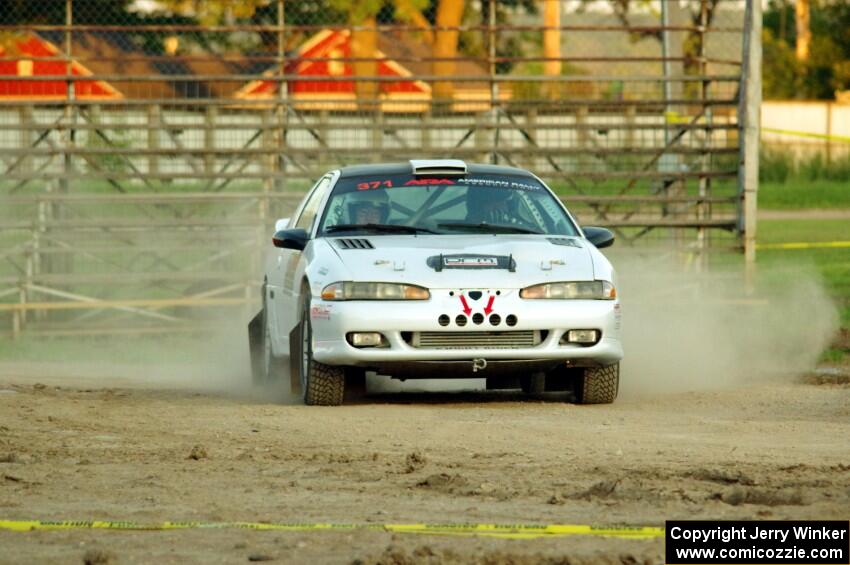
(564, 241)
(354, 243)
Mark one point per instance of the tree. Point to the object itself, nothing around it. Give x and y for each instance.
(825, 70)
(449, 15)
(215, 12)
(701, 15)
(552, 41)
(804, 32)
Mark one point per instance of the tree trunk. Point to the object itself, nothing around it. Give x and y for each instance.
(449, 14)
(552, 44)
(804, 33)
(364, 44)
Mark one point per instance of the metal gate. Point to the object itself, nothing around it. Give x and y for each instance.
(145, 156)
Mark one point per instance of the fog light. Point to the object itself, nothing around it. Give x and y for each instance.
(581, 336)
(367, 339)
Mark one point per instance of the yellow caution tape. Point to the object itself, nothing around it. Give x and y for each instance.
(529, 531)
(841, 138)
(805, 245)
(514, 531)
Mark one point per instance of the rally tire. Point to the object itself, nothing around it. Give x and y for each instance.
(321, 385)
(325, 385)
(598, 385)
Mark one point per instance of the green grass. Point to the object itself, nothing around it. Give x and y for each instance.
(802, 193)
(787, 231)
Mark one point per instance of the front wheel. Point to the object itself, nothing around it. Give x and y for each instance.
(321, 385)
(598, 385)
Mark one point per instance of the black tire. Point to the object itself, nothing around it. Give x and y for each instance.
(534, 383)
(598, 385)
(321, 385)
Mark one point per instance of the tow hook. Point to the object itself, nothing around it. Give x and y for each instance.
(478, 365)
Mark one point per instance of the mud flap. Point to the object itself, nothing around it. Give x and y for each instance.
(295, 359)
(255, 345)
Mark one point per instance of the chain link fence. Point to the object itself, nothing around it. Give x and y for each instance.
(147, 147)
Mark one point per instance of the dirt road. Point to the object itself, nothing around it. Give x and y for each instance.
(90, 452)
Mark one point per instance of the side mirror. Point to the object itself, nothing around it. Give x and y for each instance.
(600, 237)
(295, 238)
(281, 224)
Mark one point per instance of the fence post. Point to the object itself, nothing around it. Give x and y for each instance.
(26, 121)
(631, 115)
(425, 132)
(209, 139)
(268, 160)
(378, 134)
(283, 94)
(40, 228)
(748, 128)
(153, 138)
(65, 262)
(532, 142)
(494, 86)
(582, 137)
(481, 134)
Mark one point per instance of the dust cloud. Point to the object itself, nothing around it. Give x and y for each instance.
(683, 331)
(689, 331)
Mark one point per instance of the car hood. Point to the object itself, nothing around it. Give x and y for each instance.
(466, 260)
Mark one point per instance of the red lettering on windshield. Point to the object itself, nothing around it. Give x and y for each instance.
(373, 184)
(422, 182)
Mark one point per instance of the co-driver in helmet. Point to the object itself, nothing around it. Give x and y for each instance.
(368, 207)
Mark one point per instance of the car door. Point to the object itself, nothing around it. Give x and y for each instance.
(290, 266)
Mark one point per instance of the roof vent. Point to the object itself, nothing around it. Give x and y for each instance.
(441, 167)
(354, 243)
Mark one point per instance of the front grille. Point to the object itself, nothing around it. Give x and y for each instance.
(476, 340)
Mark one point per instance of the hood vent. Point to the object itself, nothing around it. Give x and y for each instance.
(565, 241)
(354, 243)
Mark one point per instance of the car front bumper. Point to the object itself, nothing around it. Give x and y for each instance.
(398, 321)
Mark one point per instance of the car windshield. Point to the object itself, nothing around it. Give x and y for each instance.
(471, 204)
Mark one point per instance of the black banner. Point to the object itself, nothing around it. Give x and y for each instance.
(694, 542)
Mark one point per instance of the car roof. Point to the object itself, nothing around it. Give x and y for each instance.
(407, 168)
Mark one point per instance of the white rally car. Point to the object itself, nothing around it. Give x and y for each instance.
(433, 269)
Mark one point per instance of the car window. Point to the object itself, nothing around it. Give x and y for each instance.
(446, 205)
(308, 213)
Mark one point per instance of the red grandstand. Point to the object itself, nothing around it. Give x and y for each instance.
(27, 55)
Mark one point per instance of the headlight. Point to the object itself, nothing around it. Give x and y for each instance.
(580, 290)
(374, 291)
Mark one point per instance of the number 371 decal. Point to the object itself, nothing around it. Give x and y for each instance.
(374, 184)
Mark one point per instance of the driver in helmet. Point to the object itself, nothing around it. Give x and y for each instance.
(368, 207)
(489, 205)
